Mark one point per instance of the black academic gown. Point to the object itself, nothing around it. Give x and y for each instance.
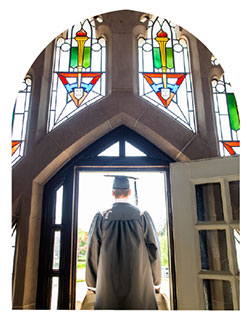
(123, 259)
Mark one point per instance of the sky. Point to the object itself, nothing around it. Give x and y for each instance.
(95, 194)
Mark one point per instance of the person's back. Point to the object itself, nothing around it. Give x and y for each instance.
(123, 260)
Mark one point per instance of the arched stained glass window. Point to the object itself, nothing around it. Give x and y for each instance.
(164, 71)
(227, 117)
(20, 120)
(78, 73)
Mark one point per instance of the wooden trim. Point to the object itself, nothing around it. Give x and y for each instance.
(211, 225)
(172, 271)
(216, 275)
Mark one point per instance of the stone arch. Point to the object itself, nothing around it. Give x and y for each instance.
(49, 152)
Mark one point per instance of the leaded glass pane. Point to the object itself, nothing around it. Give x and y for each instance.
(164, 71)
(234, 188)
(213, 246)
(218, 295)
(112, 151)
(20, 120)
(56, 252)
(59, 203)
(209, 202)
(79, 72)
(132, 151)
(227, 117)
(54, 293)
(237, 246)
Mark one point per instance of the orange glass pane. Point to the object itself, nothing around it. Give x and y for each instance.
(229, 146)
(14, 146)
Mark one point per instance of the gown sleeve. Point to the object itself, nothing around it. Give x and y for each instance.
(153, 247)
(93, 251)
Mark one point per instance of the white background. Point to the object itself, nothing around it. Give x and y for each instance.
(26, 29)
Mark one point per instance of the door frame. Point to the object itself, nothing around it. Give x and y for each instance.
(154, 160)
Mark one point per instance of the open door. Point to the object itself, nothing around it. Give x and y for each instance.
(205, 206)
(61, 262)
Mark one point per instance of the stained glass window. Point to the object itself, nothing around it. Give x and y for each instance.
(214, 60)
(164, 71)
(20, 120)
(78, 73)
(227, 117)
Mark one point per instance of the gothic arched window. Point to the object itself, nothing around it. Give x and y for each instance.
(20, 120)
(78, 73)
(227, 117)
(164, 71)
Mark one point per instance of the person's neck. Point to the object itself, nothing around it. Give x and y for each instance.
(121, 200)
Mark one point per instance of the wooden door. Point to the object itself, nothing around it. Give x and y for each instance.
(205, 205)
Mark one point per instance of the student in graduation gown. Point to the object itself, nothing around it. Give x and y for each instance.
(123, 257)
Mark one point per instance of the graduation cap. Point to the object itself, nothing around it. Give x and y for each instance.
(122, 182)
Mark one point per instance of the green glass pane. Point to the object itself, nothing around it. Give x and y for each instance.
(233, 112)
(157, 57)
(170, 59)
(74, 57)
(86, 57)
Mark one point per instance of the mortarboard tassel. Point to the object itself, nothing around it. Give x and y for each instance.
(136, 194)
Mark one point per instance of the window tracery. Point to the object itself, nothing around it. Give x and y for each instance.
(20, 120)
(164, 71)
(227, 117)
(79, 72)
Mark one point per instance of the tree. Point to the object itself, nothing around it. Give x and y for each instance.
(164, 250)
(82, 243)
(164, 246)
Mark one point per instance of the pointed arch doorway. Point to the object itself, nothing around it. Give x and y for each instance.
(121, 150)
